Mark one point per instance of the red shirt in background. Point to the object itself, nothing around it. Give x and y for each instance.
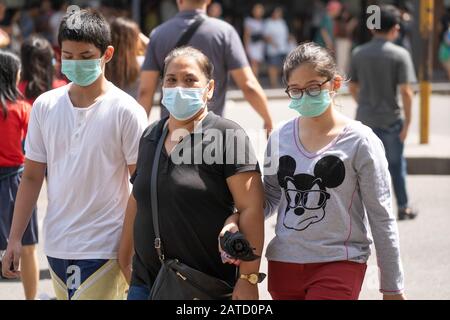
(23, 85)
(13, 131)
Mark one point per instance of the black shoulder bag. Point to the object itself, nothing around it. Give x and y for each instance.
(175, 280)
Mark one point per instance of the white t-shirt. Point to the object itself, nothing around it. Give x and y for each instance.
(254, 26)
(278, 31)
(87, 151)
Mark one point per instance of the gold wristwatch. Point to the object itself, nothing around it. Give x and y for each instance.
(253, 278)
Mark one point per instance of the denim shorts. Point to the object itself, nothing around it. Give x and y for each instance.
(276, 61)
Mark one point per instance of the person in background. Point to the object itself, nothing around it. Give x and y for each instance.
(215, 10)
(254, 37)
(42, 21)
(14, 115)
(4, 37)
(38, 72)
(325, 34)
(378, 70)
(276, 34)
(406, 26)
(444, 50)
(220, 42)
(125, 67)
(60, 10)
(29, 15)
(345, 25)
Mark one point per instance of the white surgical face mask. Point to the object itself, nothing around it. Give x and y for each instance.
(183, 103)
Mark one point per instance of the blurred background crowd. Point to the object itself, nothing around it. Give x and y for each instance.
(268, 28)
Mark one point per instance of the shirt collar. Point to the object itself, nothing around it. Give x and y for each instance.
(154, 132)
(190, 13)
(379, 40)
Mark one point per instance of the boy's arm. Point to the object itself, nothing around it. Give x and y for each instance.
(27, 196)
(126, 247)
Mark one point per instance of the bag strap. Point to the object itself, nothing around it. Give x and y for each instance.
(154, 193)
(187, 35)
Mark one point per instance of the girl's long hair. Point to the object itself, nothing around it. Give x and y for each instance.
(9, 70)
(124, 69)
(37, 66)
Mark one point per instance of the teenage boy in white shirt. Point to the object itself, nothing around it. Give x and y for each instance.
(86, 136)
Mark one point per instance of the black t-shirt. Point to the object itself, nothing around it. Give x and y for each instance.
(193, 198)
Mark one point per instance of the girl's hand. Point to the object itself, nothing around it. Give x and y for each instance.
(231, 225)
(394, 297)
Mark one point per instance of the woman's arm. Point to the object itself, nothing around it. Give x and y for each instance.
(126, 246)
(248, 195)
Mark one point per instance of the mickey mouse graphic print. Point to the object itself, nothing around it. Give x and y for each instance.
(326, 202)
(306, 195)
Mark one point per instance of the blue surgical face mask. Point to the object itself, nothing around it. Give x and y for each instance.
(82, 72)
(311, 107)
(183, 103)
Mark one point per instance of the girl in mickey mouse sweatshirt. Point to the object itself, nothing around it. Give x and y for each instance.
(327, 178)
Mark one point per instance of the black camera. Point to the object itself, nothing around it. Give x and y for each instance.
(235, 245)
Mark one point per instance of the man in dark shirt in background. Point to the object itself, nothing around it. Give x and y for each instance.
(220, 42)
(378, 69)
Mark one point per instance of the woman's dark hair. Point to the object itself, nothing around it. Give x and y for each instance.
(9, 69)
(36, 55)
(310, 53)
(124, 69)
(202, 60)
(85, 26)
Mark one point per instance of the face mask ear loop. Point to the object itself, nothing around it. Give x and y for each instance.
(333, 93)
(206, 90)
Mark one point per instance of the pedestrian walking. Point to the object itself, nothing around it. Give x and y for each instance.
(85, 135)
(379, 69)
(444, 51)
(125, 67)
(219, 41)
(276, 34)
(195, 198)
(254, 38)
(14, 116)
(345, 25)
(326, 177)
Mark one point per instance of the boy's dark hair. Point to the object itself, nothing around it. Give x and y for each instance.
(389, 17)
(85, 26)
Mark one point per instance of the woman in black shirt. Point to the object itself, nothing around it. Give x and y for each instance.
(207, 169)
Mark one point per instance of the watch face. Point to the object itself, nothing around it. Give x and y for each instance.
(253, 278)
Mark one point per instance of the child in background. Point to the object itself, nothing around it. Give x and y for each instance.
(14, 115)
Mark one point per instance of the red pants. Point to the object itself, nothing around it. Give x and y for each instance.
(316, 281)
